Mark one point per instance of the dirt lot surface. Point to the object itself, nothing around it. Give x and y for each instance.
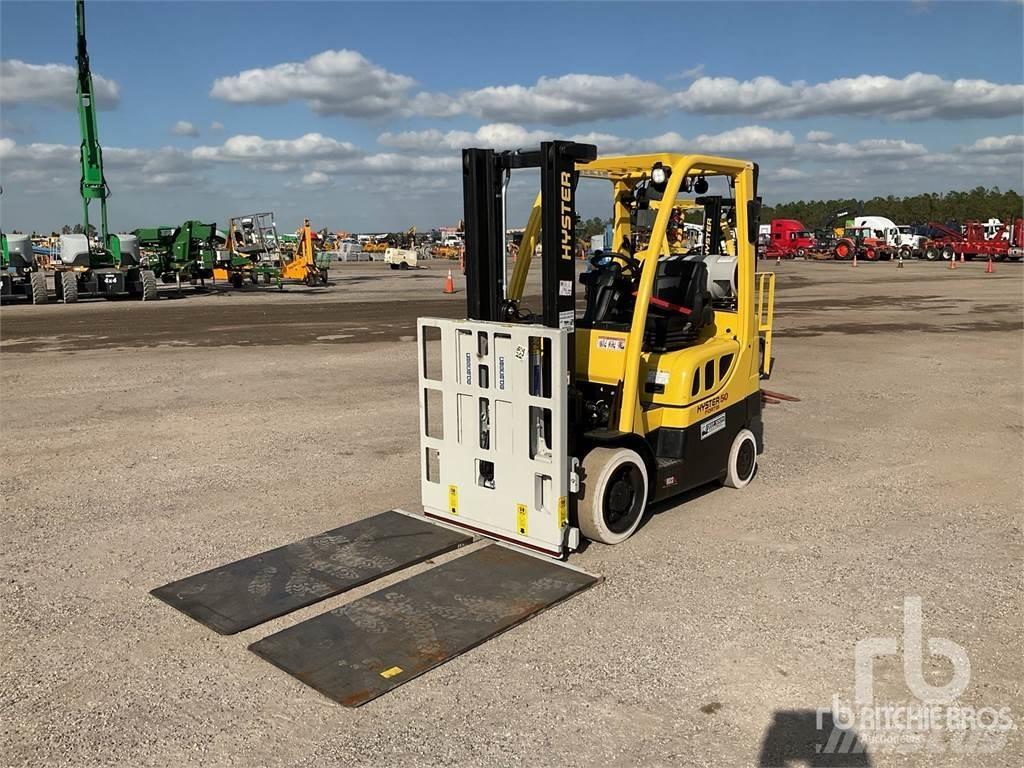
(145, 442)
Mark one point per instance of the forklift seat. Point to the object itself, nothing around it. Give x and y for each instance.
(680, 305)
(608, 298)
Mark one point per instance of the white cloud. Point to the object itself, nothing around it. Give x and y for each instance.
(494, 135)
(751, 138)
(786, 174)
(347, 83)
(215, 126)
(1012, 144)
(184, 128)
(566, 100)
(917, 96)
(134, 167)
(864, 149)
(746, 139)
(331, 83)
(387, 163)
(50, 85)
(819, 136)
(688, 74)
(311, 146)
(316, 179)
(317, 153)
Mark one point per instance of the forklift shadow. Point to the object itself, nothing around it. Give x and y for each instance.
(664, 506)
(811, 738)
(683, 498)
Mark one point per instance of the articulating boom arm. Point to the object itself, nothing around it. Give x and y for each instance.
(93, 184)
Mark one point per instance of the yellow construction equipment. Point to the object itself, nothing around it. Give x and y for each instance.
(305, 265)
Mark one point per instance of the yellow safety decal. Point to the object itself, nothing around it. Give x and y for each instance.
(563, 511)
(521, 521)
(453, 499)
(391, 672)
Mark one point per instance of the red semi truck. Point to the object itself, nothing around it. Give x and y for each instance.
(788, 239)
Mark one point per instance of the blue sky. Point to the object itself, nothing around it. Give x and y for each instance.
(833, 99)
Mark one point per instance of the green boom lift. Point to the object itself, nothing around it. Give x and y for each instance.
(19, 268)
(81, 267)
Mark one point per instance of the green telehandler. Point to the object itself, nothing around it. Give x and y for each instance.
(81, 265)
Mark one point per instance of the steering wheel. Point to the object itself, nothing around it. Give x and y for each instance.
(624, 264)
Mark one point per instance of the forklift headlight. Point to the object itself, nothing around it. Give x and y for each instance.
(659, 175)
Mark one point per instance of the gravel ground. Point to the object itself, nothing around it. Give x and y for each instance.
(142, 443)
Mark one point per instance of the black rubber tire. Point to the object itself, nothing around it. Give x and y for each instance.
(38, 283)
(68, 287)
(236, 280)
(266, 278)
(403, 265)
(612, 477)
(948, 254)
(393, 266)
(931, 254)
(149, 287)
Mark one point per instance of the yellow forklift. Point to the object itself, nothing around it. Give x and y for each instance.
(542, 422)
(659, 389)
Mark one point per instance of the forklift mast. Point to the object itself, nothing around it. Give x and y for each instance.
(93, 184)
(485, 175)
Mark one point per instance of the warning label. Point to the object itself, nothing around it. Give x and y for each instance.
(611, 342)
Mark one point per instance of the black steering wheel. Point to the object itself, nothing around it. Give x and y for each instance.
(621, 263)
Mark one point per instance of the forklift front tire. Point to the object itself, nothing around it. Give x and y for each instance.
(742, 460)
(614, 494)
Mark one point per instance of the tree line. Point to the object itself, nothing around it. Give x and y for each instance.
(979, 204)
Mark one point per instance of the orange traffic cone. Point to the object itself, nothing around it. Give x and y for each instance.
(855, 257)
(952, 262)
(899, 262)
(778, 260)
(989, 269)
(449, 283)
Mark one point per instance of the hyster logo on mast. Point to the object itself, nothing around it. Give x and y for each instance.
(566, 184)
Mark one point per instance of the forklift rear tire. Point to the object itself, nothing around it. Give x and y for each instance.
(614, 494)
(149, 288)
(68, 287)
(742, 460)
(38, 283)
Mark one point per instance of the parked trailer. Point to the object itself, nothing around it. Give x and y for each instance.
(947, 243)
